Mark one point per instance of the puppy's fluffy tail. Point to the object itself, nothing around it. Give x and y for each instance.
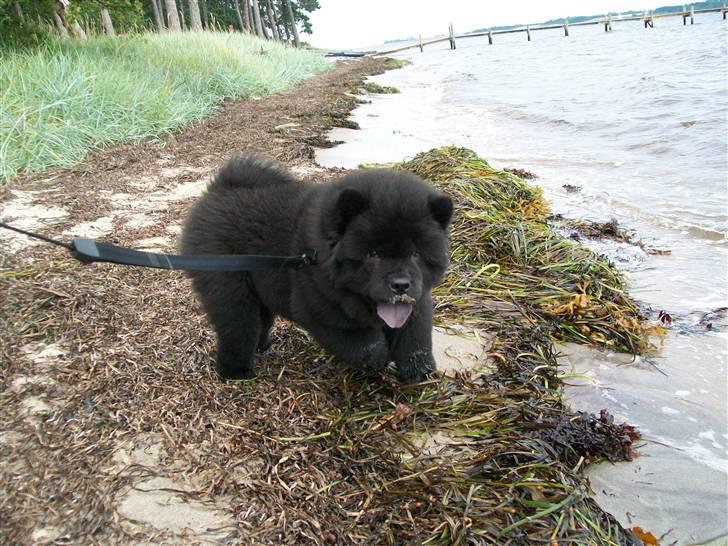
(249, 171)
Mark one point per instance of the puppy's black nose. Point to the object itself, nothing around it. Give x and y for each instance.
(400, 285)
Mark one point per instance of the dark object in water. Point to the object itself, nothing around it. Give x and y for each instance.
(717, 319)
(570, 188)
(598, 230)
(664, 319)
(521, 173)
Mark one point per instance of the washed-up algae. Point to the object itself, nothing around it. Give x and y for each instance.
(510, 470)
(308, 453)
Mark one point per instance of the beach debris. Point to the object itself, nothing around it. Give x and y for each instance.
(371, 87)
(654, 251)
(284, 126)
(521, 173)
(609, 230)
(399, 414)
(664, 319)
(717, 319)
(503, 249)
(647, 538)
(571, 188)
(589, 436)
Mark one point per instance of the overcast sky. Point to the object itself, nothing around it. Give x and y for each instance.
(347, 24)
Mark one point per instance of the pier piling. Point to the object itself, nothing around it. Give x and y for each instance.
(649, 19)
(490, 34)
(566, 27)
(452, 37)
(528, 32)
(421, 48)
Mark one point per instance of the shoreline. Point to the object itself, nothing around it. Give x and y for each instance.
(663, 489)
(70, 372)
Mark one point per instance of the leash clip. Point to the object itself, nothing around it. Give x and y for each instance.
(308, 260)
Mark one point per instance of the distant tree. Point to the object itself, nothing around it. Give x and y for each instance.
(256, 16)
(195, 20)
(241, 21)
(272, 19)
(60, 17)
(157, 15)
(172, 17)
(205, 14)
(301, 9)
(292, 23)
(247, 23)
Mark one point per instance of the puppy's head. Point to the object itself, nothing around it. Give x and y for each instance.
(388, 235)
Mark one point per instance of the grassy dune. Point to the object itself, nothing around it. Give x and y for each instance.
(59, 102)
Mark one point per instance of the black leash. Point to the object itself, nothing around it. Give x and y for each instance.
(87, 251)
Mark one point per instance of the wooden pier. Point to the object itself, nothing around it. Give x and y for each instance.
(647, 18)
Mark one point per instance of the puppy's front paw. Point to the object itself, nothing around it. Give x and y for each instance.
(416, 367)
(231, 369)
(374, 358)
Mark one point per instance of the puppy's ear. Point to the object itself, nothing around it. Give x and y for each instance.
(350, 204)
(441, 209)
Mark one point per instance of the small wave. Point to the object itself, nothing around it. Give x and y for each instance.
(707, 226)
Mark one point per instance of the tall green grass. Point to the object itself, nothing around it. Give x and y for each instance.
(62, 100)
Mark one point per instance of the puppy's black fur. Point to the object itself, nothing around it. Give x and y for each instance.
(381, 237)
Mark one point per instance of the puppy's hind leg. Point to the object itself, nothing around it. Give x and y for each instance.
(266, 321)
(235, 313)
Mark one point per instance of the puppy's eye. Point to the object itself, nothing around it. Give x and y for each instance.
(372, 253)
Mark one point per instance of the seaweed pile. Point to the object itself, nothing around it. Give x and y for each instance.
(309, 453)
(503, 250)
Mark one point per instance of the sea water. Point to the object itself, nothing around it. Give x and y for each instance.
(636, 118)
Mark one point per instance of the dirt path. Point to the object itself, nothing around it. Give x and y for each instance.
(114, 428)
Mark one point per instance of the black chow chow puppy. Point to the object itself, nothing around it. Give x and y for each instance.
(381, 239)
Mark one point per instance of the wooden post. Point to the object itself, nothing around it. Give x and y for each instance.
(490, 34)
(692, 14)
(528, 32)
(566, 27)
(685, 15)
(452, 37)
(649, 22)
(108, 25)
(421, 49)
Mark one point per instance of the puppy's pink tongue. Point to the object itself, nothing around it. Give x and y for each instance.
(394, 314)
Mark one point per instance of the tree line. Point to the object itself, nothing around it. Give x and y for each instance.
(270, 19)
